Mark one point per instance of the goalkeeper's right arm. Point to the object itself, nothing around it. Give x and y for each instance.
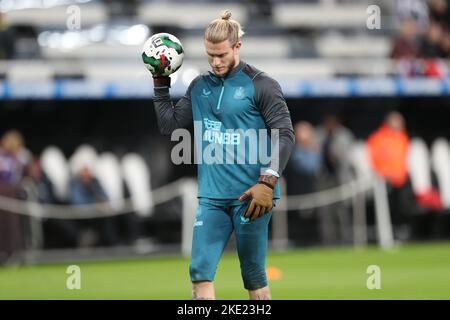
(171, 117)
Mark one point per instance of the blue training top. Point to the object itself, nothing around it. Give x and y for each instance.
(233, 117)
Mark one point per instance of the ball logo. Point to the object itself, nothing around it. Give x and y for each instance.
(157, 41)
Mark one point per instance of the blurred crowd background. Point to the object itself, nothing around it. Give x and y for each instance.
(78, 126)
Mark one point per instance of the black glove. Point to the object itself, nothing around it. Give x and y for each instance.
(161, 81)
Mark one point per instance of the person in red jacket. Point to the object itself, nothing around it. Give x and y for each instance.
(388, 150)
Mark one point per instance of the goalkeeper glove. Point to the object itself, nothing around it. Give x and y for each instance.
(261, 197)
(160, 81)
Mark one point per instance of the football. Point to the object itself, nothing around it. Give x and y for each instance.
(162, 54)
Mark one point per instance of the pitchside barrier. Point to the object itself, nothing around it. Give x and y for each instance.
(355, 191)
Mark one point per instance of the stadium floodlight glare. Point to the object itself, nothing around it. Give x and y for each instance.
(134, 35)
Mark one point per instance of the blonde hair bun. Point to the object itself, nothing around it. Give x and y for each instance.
(226, 15)
(224, 28)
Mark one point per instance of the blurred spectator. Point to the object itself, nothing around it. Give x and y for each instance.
(301, 177)
(430, 46)
(434, 68)
(388, 150)
(304, 164)
(35, 185)
(85, 189)
(48, 233)
(416, 10)
(431, 51)
(13, 159)
(438, 12)
(445, 43)
(6, 40)
(335, 141)
(405, 45)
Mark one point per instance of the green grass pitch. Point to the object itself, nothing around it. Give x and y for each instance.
(415, 271)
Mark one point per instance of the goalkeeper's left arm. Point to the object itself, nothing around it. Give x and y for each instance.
(275, 112)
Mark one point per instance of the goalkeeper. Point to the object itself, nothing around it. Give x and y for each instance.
(239, 197)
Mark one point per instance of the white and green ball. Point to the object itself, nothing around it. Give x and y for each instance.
(162, 54)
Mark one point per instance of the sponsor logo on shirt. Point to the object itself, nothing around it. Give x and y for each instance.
(213, 134)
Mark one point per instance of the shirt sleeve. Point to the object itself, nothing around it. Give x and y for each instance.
(274, 109)
(169, 116)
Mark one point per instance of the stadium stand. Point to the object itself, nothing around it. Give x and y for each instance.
(69, 80)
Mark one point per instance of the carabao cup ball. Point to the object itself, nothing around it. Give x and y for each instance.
(162, 54)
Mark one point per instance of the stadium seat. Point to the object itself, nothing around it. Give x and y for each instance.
(30, 71)
(55, 166)
(137, 177)
(104, 72)
(188, 15)
(92, 51)
(360, 160)
(419, 166)
(295, 15)
(440, 159)
(84, 156)
(333, 46)
(107, 171)
(56, 16)
(255, 47)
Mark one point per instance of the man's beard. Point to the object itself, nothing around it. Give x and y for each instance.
(230, 67)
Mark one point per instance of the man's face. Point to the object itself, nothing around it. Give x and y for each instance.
(396, 121)
(35, 170)
(222, 57)
(85, 175)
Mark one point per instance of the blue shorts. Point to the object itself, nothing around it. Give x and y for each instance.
(215, 221)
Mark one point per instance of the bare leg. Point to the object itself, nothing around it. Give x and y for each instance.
(203, 290)
(260, 294)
